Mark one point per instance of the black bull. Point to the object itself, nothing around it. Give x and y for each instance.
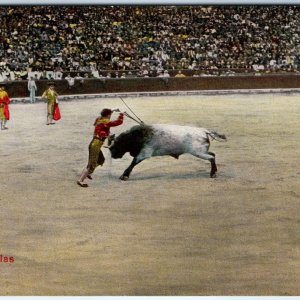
(143, 141)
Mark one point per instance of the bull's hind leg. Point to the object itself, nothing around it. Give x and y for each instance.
(211, 153)
(126, 173)
(211, 157)
(213, 172)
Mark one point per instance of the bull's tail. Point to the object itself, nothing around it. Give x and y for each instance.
(216, 136)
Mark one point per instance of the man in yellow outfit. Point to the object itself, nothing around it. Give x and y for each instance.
(51, 95)
(4, 110)
(101, 132)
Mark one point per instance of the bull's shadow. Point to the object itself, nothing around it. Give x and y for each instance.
(138, 176)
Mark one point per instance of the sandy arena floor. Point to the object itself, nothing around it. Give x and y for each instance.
(170, 229)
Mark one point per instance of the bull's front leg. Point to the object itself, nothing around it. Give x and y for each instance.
(145, 153)
(126, 173)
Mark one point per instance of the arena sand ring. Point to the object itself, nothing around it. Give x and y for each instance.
(170, 229)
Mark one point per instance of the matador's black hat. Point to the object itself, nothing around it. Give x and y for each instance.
(106, 112)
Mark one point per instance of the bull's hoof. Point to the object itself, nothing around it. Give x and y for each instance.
(124, 177)
(213, 175)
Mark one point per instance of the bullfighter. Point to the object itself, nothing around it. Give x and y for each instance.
(101, 132)
(51, 95)
(4, 109)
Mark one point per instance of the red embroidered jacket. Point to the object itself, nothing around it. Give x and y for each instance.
(102, 125)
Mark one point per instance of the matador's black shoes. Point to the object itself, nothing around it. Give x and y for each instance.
(82, 184)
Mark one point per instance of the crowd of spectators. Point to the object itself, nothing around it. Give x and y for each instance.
(98, 41)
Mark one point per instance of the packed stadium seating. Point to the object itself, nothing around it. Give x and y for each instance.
(144, 41)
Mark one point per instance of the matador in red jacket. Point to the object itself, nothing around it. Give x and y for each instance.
(4, 109)
(101, 132)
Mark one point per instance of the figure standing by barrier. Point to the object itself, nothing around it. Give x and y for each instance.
(71, 81)
(51, 95)
(4, 109)
(32, 88)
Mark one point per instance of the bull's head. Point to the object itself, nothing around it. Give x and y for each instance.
(130, 141)
(115, 148)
